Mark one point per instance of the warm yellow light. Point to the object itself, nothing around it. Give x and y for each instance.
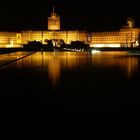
(105, 45)
(8, 46)
(11, 43)
(18, 38)
(54, 22)
(95, 51)
(137, 43)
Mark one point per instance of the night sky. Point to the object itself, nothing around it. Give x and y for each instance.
(90, 15)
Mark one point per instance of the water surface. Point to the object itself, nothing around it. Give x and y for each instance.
(72, 74)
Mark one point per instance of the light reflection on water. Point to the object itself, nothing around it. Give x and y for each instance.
(53, 64)
(117, 59)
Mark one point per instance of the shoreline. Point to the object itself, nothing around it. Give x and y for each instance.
(11, 50)
(115, 49)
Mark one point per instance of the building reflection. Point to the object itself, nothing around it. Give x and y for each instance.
(121, 60)
(54, 70)
(132, 65)
(54, 64)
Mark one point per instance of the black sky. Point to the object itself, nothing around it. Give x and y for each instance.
(91, 15)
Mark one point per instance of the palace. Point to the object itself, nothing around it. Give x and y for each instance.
(125, 37)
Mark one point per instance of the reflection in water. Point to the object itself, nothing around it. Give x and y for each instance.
(132, 65)
(53, 63)
(7, 58)
(117, 59)
(54, 70)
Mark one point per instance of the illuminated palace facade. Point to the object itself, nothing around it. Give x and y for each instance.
(125, 37)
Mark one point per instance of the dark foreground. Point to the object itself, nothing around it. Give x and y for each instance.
(62, 89)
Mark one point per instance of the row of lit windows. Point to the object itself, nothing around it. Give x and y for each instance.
(105, 38)
(106, 33)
